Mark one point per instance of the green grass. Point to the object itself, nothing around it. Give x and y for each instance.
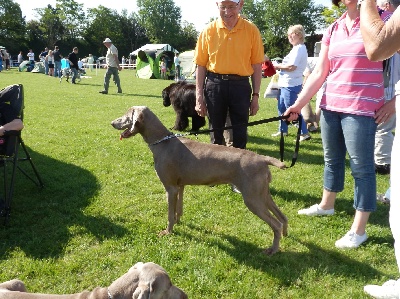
(103, 205)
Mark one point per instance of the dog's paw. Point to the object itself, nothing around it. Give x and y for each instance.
(271, 250)
(164, 233)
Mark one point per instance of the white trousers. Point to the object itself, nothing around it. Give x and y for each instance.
(394, 216)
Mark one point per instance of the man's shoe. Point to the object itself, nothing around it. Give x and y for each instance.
(381, 198)
(277, 134)
(351, 240)
(119, 91)
(315, 210)
(103, 92)
(382, 168)
(304, 137)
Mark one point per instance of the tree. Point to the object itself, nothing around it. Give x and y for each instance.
(50, 25)
(102, 23)
(72, 17)
(161, 20)
(274, 20)
(12, 26)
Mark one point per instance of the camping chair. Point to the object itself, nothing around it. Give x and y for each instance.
(9, 152)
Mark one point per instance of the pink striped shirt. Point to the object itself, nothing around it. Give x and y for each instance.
(354, 84)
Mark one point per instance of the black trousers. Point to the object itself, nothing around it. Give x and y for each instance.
(228, 95)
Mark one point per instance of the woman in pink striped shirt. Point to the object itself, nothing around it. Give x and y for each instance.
(354, 93)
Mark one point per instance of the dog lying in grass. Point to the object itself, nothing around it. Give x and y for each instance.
(143, 280)
(180, 161)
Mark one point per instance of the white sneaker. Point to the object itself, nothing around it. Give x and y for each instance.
(315, 210)
(277, 134)
(304, 137)
(351, 240)
(389, 290)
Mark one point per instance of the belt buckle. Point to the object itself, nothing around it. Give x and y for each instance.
(225, 77)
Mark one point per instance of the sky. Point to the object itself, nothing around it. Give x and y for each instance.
(191, 11)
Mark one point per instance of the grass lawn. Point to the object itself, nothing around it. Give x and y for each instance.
(102, 207)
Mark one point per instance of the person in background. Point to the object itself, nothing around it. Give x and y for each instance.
(291, 78)
(50, 62)
(20, 57)
(31, 56)
(73, 64)
(384, 133)
(163, 69)
(381, 41)
(57, 62)
(310, 118)
(42, 58)
(177, 63)
(352, 98)
(112, 66)
(91, 62)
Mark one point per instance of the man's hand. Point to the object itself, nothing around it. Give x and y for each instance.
(386, 112)
(254, 107)
(201, 107)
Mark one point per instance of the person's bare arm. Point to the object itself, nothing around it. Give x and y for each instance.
(201, 107)
(255, 83)
(118, 62)
(381, 39)
(14, 125)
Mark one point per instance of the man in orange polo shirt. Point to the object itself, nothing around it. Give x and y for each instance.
(229, 50)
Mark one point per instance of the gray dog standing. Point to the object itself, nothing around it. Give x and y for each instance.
(180, 161)
(143, 280)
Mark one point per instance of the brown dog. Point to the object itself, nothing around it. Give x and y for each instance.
(181, 161)
(147, 280)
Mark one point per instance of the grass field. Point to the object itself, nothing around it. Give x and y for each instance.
(102, 207)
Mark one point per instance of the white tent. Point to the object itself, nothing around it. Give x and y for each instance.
(188, 67)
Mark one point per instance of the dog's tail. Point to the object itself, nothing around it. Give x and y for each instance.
(275, 162)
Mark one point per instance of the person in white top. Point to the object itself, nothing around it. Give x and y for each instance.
(113, 66)
(291, 78)
(31, 56)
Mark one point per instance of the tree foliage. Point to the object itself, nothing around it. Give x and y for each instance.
(12, 25)
(274, 19)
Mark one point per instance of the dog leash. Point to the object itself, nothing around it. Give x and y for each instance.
(253, 123)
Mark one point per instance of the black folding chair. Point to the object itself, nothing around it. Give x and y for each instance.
(13, 96)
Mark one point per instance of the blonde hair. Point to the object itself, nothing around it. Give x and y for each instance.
(299, 31)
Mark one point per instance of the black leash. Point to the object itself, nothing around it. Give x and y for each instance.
(263, 121)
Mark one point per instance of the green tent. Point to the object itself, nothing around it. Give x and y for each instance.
(38, 68)
(148, 60)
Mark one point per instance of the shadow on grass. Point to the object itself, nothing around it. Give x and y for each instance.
(287, 266)
(43, 220)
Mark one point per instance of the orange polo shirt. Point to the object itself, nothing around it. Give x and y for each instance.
(229, 52)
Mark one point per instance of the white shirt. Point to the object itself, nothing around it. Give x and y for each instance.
(31, 56)
(110, 58)
(297, 57)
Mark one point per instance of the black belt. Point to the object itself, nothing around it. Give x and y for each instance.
(227, 77)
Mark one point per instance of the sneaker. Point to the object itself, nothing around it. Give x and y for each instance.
(103, 92)
(389, 290)
(381, 198)
(304, 137)
(315, 210)
(277, 134)
(235, 189)
(382, 168)
(351, 240)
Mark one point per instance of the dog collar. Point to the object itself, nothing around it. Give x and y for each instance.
(109, 294)
(166, 138)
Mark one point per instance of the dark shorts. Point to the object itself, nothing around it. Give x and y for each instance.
(51, 66)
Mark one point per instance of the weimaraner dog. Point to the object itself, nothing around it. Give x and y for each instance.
(180, 161)
(143, 281)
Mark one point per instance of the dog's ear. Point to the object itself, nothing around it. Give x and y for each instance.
(136, 118)
(141, 292)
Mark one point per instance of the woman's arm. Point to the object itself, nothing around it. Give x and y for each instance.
(381, 39)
